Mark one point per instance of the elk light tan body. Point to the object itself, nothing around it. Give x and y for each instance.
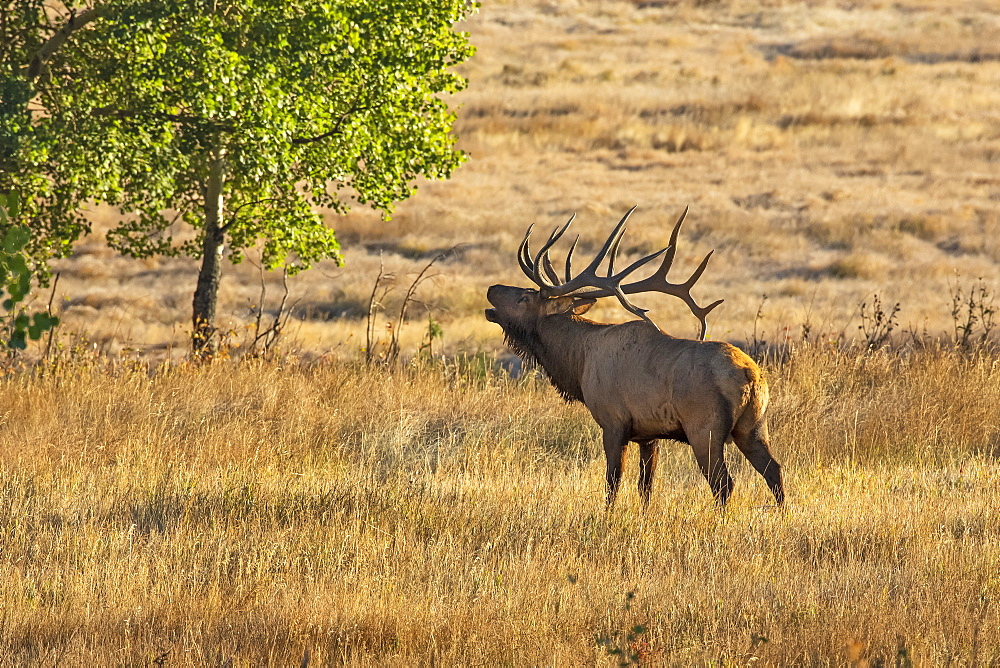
(639, 383)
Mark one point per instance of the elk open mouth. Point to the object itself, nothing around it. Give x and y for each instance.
(491, 314)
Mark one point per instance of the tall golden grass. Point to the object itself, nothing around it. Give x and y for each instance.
(260, 512)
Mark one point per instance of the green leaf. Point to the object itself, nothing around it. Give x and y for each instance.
(17, 340)
(17, 266)
(44, 320)
(13, 204)
(16, 239)
(23, 285)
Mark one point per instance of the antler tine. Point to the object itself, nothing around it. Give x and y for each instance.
(613, 241)
(619, 292)
(524, 255)
(549, 270)
(553, 238)
(569, 259)
(614, 252)
(542, 261)
(668, 259)
(696, 274)
(629, 306)
(531, 268)
(640, 263)
(702, 314)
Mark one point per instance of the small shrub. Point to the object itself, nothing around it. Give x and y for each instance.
(973, 315)
(877, 325)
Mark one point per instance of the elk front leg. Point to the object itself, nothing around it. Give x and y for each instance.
(614, 451)
(647, 468)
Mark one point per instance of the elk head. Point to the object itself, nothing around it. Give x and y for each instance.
(520, 308)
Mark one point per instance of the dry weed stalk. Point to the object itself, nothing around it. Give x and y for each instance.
(877, 325)
(268, 336)
(383, 285)
(973, 313)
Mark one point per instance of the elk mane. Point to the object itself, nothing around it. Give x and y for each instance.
(527, 345)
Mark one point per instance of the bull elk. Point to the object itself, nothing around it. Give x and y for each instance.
(639, 383)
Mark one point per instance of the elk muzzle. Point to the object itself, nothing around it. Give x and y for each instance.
(504, 299)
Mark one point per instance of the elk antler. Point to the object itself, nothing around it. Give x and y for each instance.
(539, 269)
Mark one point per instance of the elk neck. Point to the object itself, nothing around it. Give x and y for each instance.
(558, 345)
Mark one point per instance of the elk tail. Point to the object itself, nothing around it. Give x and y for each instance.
(755, 402)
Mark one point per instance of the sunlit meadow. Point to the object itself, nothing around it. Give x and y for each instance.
(837, 155)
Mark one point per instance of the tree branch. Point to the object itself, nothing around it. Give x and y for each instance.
(233, 217)
(336, 128)
(52, 44)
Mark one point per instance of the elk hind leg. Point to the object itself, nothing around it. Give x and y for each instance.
(753, 443)
(647, 468)
(708, 445)
(614, 451)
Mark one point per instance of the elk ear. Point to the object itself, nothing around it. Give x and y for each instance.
(581, 306)
(568, 305)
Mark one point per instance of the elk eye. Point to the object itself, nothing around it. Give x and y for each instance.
(523, 299)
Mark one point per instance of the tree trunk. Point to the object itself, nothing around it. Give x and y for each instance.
(206, 294)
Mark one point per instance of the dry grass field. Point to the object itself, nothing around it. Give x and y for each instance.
(256, 512)
(444, 514)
